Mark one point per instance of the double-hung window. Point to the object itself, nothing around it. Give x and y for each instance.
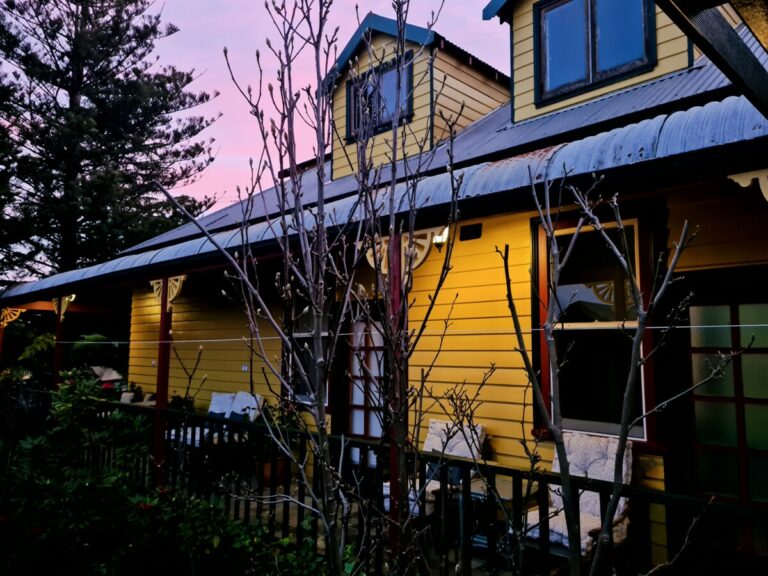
(581, 44)
(596, 320)
(372, 99)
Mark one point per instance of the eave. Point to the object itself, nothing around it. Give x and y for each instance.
(729, 135)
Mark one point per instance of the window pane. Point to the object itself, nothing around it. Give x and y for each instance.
(355, 368)
(596, 365)
(718, 473)
(358, 422)
(716, 423)
(710, 326)
(620, 33)
(702, 368)
(760, 532)
(376, 362)
(754, 368)
(388, 94)
(755, 316)
(593, 286)
(374, 424)
(374, 394)
(564, 33)
(358, 395)
(756, 417)
(358, 335)
(758, 472)
(376, 335)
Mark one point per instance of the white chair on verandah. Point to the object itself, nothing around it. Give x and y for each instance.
(593, 457)
(445, 438)
(240, 406)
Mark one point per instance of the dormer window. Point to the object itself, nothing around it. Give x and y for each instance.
(582, 44)
(372, 99)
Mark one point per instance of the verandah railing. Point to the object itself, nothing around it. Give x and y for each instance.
(480, 519)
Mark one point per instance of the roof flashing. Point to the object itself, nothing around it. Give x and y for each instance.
(496, 8)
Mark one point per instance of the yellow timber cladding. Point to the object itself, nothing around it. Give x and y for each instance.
(447, 85)
(479, 336)
(730, 233)
(214, 329)
(470, 332)
(672, 53)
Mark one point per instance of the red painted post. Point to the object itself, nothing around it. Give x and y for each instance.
(58, 351)
(161, 390)
(2, 338)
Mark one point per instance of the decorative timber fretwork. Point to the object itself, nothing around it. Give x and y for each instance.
(8, 315)
(422, 243)
(603, 291)
(745, 180)
(174, 288)
(60, 305)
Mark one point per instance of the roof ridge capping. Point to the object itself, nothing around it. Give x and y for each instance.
(375, 23)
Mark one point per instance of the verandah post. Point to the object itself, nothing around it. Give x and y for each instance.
(161, 389)
(58, 350)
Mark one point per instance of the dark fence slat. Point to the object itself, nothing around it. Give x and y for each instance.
(213, 457)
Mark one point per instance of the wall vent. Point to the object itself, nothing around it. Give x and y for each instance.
(470, 232)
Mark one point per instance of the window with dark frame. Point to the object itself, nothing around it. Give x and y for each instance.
(730, 412)
(593, 334)
(585, 43)
(366, 369)
(725, 450)
(372, 99)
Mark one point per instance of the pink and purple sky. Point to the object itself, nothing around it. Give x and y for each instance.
(207, 26)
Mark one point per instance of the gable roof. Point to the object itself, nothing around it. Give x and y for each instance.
(374, 23)
(715, 130)
(493, 8)
(672, 118)
(495, 136)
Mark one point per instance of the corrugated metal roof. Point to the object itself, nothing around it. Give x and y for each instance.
(415, 34)
(712, 126)
(375, 23)
(263, 205)
(495, 135)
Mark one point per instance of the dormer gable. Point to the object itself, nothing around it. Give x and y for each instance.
(438, 79)
(569, 51)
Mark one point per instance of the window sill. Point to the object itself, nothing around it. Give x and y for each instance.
(542, 100)
(380, 129)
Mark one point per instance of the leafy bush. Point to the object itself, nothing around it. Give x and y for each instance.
(77, 497)
(37, 359)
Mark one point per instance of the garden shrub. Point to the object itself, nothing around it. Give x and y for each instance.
(76, 498)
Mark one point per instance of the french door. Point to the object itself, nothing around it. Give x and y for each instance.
(731, 412)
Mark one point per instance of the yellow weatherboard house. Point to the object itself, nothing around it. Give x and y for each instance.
(620, 89)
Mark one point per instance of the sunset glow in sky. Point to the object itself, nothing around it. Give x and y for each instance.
(207, 26)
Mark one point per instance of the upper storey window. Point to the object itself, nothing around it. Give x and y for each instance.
(582, 44)
(372, 99)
